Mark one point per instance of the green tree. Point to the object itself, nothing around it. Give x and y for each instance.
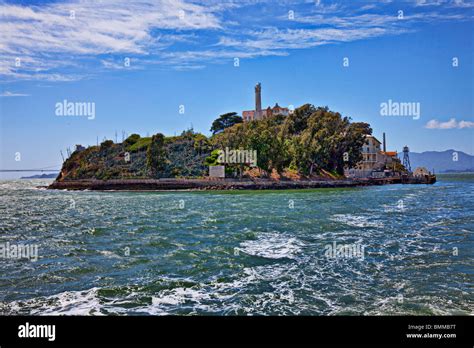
(211, 160)
(132, 139)
(297, 121)
(350, 153)
(106, 144)
(234, 137)
(156, 154)
(201, 143)
(265, 136)
(325, 140)
(225, 121)
(310, 140)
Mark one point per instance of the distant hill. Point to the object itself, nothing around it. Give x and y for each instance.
(442, 161)
(42, 176)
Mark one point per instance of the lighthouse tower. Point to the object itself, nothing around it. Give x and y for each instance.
(258, 113)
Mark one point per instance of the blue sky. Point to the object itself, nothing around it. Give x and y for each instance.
(183, 53)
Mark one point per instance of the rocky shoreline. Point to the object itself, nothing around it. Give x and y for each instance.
(212, 184)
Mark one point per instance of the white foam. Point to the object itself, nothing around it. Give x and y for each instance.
(85, 302)
(272, 246)
(357, 220)
(178, 296)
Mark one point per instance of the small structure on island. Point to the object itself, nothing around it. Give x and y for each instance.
(217, 171)
(421, 172)
(258, 113)
(80, 148)
(421, 175)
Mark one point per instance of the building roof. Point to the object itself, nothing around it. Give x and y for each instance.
(371, 136)
(390, 153)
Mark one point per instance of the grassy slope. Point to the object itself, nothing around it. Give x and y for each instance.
(108, 161)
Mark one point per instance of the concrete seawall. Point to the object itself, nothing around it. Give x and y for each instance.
(212, 184)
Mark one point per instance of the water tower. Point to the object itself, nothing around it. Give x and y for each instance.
(406, 159)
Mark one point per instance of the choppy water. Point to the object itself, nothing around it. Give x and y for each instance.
(240, 252)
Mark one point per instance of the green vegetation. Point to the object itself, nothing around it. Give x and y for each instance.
(135, 143)
(132, 139)
(311, 141)
(140, 145)
(212, 159)
(156, 154)
(225, 121)
(150, 157)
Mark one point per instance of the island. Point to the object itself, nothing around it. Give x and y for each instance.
(273, 148)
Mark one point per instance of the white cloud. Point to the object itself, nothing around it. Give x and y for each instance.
(51, 36)
(451, 3)
(283, 39)
(322, 29)
(12, 94)
(451, 124)
(53, 45)
(466, 124)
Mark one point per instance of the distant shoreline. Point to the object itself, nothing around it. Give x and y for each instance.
(41, 176)
(216, 184)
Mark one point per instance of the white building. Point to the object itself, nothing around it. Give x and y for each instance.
(375, 161)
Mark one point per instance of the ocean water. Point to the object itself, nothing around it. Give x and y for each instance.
(240, 253)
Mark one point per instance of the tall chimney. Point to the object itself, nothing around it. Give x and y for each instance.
(258, 100)
(384, 144)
